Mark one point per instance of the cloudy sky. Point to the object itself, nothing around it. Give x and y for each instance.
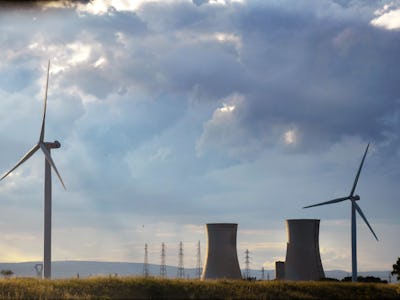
(173, 114)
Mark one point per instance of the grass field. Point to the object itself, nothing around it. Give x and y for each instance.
(155, 288)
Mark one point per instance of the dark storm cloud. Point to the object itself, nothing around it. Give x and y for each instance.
(329, 78)
(25, 4)
(207, 66)
(327, 75)
(298, 68)
(294, 66)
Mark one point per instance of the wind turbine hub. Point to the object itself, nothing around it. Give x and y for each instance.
(355, 197)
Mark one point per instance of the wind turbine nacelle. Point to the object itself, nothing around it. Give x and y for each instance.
(54, 145)
(355, 197)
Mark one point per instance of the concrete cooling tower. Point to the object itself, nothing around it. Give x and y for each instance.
(280, 270)
(221, 258)
(303, 261)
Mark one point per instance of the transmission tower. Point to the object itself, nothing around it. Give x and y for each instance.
(181, 270)
(247, 264)
(146, 262)
(198, 261)
(163, 267)
(262, 273)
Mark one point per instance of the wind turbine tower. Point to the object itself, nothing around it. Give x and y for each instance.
(49, 164)
(354, 207)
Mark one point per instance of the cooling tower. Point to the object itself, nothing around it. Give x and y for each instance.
(303, 261)
(221, 257)
(279, 270)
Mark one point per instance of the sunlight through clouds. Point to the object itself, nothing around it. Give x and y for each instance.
(101, 7)
(290, 137)
(79, 52)
(100, 62)
(388, 17)
(227, 108)
(222, 128)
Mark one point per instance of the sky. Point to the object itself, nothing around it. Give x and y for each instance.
(173, 114)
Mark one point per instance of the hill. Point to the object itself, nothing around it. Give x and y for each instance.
(70, 269)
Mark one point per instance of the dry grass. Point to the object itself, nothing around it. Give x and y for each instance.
(156, 288)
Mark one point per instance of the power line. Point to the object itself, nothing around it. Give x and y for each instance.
(247, 264)
(198, 261)
(181, 269)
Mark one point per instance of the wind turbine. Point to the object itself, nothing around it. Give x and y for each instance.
(354, 207)
(49, 163)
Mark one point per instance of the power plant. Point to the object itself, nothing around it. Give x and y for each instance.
(303, 260)
(221, 257)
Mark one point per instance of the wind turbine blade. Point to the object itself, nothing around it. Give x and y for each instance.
(359, 171)
(22, 160)
(365, 219)
(51, 162)
(329, 202)
(41, 139)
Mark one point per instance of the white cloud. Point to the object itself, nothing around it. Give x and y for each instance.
(387, 18)
(100, 62)
(101, 7)
(79, 52)
(222, 130)
(224, 2)
(97, 7)
(222, 37)
(226, 108)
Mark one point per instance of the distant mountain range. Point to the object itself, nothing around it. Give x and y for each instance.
(68, 269)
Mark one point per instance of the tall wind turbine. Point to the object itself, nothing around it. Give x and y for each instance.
(49, 163)
(354, 207)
